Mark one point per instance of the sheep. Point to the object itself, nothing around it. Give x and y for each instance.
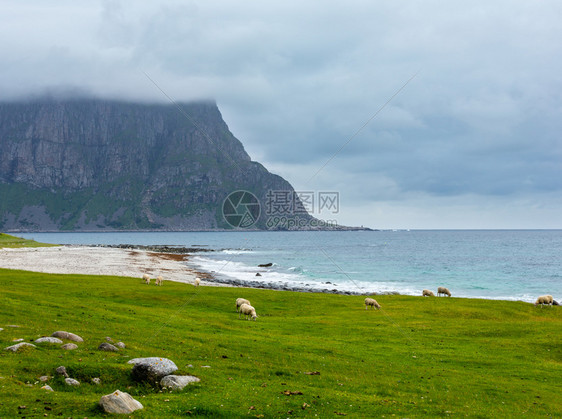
(444, 291)
(248, 311)
(427, 293)
(372, 303)
(197, 282)
(146, 278)
(544, 299)
(159, 280)
(240, 301)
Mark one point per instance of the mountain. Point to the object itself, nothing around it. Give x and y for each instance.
(89, 164)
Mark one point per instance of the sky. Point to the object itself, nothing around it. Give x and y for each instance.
(421, 115)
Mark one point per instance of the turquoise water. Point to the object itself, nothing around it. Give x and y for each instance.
(510, 265)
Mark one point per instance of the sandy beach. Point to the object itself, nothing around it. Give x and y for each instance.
(100, 261)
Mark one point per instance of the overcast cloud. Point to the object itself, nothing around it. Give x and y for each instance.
(473, 141)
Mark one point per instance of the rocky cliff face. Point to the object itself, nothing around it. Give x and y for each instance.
(91, 164)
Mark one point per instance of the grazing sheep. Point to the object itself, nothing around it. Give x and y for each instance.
(197, 282)
(240, 301)
(444, 291)
(159, 280)
(544, 299)
(427, 293)
(372, 303)
(146, 278)
(248, 311)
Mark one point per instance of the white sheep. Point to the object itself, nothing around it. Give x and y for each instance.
(197, 282)
(248, 311)
(444, 291)
(372, 303)
(159, 280)
(240, 301)
(427, 293)
(146, 278)
(544, 299)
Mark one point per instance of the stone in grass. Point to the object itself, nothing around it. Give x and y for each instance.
(44, 378)
(47, 388)
(119, 402)
(120, 345)
(96, 381)
(48, 340)
(67, 336)
(178, 382)
(69, 346)
(71, 382)
(107, 347)
(62, 371)
(20, 346)
(151, 369)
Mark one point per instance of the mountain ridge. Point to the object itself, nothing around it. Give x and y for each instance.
(90, 165)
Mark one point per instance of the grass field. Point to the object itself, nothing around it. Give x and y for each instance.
(7, 240)
(416, 357)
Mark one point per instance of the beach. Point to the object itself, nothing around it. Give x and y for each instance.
(86, 260)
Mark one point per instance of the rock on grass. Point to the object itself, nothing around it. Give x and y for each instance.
(67, 336)
(178, 382)
(119, 402)
(20, 346)
(152, 369)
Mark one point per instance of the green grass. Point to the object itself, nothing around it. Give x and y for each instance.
(416, 357)
(7, 240)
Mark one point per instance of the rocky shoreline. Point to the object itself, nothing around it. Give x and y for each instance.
(210, 277)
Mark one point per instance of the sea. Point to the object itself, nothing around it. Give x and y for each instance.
(489, 264)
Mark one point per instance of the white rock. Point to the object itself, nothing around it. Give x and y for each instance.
(72, 382)
(178, 382)
(47, 387)
(48, 340)
(67, 336)
(96, 381)
(120, 345)
(15, 348)
(119, 402)
(69, 346)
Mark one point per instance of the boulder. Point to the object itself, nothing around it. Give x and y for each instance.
(48, 340)
(69, 346)
(67, 336)
(120, 345)
(62, 371)
(47, 387)
(178, 382)
(107, 347)
(71, 382)
(22, 345)
(119, 402)
(44, 378)
(152, 369)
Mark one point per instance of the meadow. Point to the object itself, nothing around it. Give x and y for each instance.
(307, 355)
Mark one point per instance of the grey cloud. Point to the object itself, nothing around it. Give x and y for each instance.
(296, 80)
